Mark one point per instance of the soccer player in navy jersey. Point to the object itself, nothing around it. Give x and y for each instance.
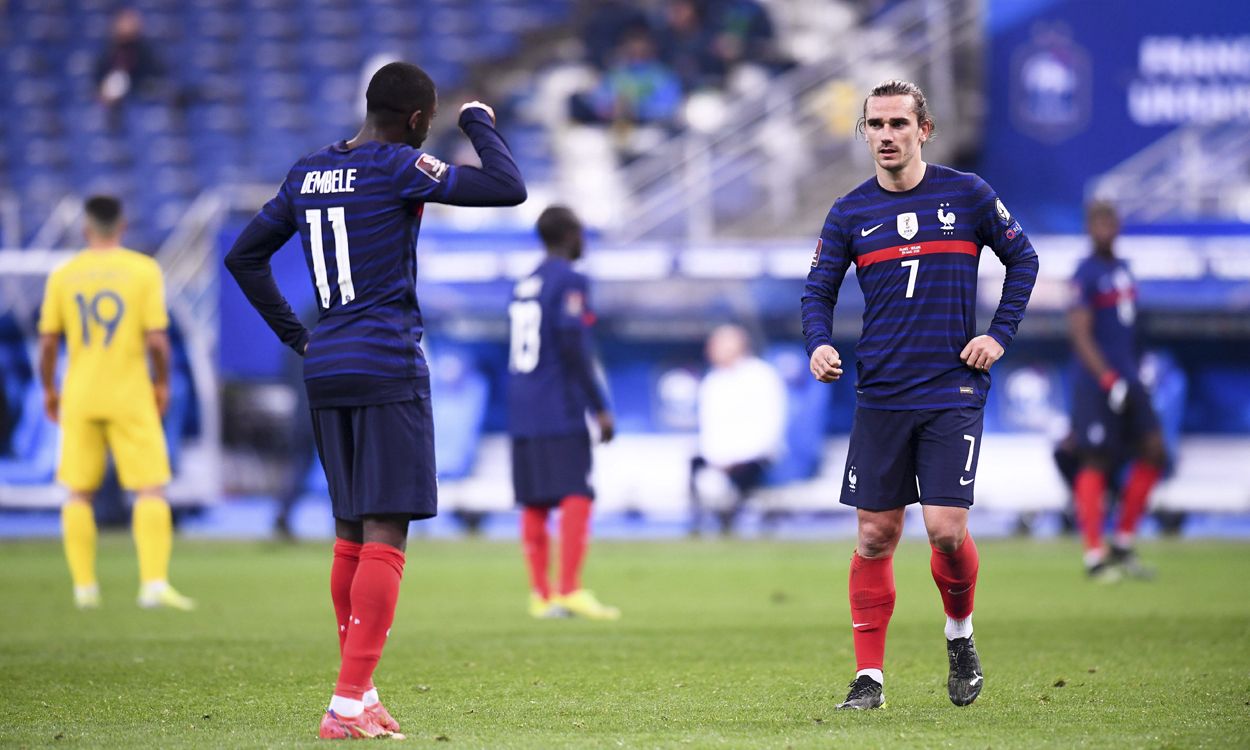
(915, 233)
(553, 384)
(1112, 416)
(357, 207)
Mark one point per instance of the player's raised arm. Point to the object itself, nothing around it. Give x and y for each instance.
(829, 264)
(1000, 230)
(248, 262)
(497, 182)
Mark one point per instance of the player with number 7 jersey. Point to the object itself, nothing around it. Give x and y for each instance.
(914, 232)
(357, 206)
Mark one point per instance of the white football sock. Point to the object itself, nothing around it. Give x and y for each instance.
(371, 697)
(961, 628)
(873, 673)
(348, 707)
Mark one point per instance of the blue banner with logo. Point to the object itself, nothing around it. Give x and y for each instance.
(1077, 87)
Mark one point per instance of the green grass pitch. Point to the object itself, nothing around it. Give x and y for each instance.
(723, 644)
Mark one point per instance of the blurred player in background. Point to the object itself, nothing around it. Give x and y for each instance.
(553, 382)
(1112, 416)
(109, 304)
(357, 207)
(915, 233)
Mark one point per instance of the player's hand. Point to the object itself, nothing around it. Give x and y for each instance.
(162, 397)
(1116, 388)
(607, 426)
(826, 364)
(52, 405)
(981, 353)
(479, 105)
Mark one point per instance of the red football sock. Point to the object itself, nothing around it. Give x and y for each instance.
(1089, 488)
(872, 603)
(536, 544)
(574, 529)
(955, 574)
(342, 571)
(1141, 480)
(375, 590)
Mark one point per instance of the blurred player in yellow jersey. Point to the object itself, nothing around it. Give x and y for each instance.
(109, 304)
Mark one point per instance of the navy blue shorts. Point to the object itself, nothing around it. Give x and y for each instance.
(1102, 432)
(893, 451)
(545, 470)
(379, 460)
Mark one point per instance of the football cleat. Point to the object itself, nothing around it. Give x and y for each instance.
(87, 597)
(164, 597)
(1103, 571)
(383, 717)
(362, 727)
(1125, 559)
(545, 609)
(583, 603)
(865, 693)
(966, 680)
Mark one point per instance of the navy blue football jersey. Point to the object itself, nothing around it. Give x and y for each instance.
(916, 255)
(553, 379)
(1106, 287)
(358, 212)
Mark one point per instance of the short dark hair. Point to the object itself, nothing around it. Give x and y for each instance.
(104, 211)
(556, 225)
(397, 90)
(1101, 208)
(896, 87)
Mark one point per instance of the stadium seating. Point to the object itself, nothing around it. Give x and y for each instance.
(251, 87)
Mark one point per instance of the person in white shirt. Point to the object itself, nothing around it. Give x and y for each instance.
(742, 420)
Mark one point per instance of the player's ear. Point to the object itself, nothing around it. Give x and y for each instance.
(414, 120)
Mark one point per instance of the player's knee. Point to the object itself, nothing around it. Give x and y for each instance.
(877, 540)
(947, 540)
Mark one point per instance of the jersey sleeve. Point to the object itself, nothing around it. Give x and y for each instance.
(419, 176)
(422, 177)
(279, 212)
(1082, 288)
(573, 324)
(830, 262)
(998, 229)
(154, 315)
(51, 320)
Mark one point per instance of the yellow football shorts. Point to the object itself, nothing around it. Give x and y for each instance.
(136, 440)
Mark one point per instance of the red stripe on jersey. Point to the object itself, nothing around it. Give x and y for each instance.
(1113, 297)
(934, 247)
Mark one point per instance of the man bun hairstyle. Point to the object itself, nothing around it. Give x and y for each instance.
(557, 225)
(896, 87)
(103, 211)
(397, 90)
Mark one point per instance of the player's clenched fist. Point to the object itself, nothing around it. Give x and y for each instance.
(826, 364)
(981, 353)
(479, 105)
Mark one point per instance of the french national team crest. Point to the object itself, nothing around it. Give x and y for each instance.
(907, 225)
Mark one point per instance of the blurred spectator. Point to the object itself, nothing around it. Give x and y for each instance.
(637, 89)
(742, 419)
(609, 22)
(686, 46)
(743, 34)
(128, 66)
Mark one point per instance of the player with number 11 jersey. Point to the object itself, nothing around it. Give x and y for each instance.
(357, 206)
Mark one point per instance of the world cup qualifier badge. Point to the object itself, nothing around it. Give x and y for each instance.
(431, 167)
(820, 243)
